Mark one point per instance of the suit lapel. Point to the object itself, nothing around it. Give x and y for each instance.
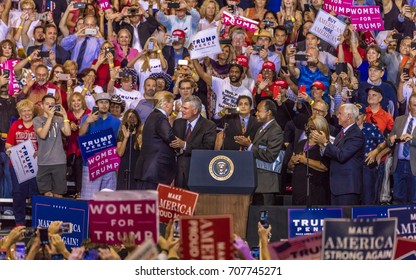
(261, 132)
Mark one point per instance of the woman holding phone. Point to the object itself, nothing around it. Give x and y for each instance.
(62, 80)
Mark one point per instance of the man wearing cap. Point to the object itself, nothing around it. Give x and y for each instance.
(318, 90)
(141, 25)
(375, 73)
(372, 138)
(245, 80)
(263, 38)
(49, 127)
(285, 106)
(264, 87)
(175, 52)
(375, 114)
(181, 20)
(92, 123)
(225, 93)
(401, 139)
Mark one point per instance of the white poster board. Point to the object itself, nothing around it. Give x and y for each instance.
(205, 43)
(328, 28)
(24, 163)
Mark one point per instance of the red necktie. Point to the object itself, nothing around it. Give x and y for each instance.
(188, 132)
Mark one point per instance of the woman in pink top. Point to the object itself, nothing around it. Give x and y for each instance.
(123, 51)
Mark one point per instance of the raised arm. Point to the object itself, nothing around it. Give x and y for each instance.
(201, 73)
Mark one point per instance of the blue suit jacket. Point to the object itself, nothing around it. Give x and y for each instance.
(61, 54)
(157, 160)
(347, 157)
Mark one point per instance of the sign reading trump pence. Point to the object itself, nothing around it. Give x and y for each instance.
(99, 151)
(116, 215)
(205, 43)
(175, 202)
(206, 237)
(366, 239)
(24, 163)
(328, 28)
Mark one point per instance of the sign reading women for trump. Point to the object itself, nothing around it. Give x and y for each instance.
(328, 28)
(367, 18)
(113, 220)
(13, 83)
(340, 7)
(205, 43)
(174, 202)
(24, 163)
(366, 239)
(99, 150)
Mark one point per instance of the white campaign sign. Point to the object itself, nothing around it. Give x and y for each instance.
(205, 43)
(24, 163)
(328, 28)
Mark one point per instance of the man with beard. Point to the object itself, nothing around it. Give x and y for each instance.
(92, 123)
(315, 70)
(225, 93)
(36, 89)
(57, 54)
(145, 105)
(175, 52)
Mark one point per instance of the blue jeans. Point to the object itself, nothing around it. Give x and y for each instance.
(369, 192)
(404, 191)
(20, 193)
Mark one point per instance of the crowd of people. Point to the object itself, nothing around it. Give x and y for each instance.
(329, 123)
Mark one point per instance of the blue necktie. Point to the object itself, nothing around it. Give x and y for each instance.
(406, 146)
(81, 53)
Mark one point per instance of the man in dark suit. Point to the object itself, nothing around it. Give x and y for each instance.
(59, 56)
(157, 163)
(241, 123)
(193, 132)
(347, 157)
(404, 156)
(266, 147)
(141, 26)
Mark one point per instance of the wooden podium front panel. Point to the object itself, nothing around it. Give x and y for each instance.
(234, 204)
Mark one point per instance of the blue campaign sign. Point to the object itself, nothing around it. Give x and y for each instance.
(309, 221)
(361, 239)
(371, 211)
(406, 221)
(48, 209)
(90, 144)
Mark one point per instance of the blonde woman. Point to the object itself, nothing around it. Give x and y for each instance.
(151, 60)
(208, 11)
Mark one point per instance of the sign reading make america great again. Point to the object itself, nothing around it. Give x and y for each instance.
(366, 239)
(174, 202)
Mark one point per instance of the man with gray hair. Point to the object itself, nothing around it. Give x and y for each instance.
(347, 157)
(192, 131)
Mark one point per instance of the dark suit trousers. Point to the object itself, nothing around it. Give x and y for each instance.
(143, 185)
(345, 199)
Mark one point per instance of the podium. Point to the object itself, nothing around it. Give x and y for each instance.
(225, 181)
